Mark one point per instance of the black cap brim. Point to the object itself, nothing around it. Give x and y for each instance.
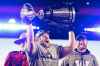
(19, 41)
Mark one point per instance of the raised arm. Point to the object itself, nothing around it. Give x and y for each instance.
(71, 42)
(29, 37)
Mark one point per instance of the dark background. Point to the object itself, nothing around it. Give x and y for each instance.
(87, 15)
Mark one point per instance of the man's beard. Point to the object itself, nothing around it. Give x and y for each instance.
(45, 44)
(82, 49)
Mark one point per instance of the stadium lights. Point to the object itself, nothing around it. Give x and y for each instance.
(11, 20)
(13, 26)
(93, 29)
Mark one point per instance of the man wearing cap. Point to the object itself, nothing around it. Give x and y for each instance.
(81, 56)
(19, 58)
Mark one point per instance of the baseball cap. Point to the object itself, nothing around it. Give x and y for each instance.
(21, 39)
(81, 37)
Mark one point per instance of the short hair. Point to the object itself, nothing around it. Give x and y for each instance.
(81, 37)
(28, 6)
(41, 32)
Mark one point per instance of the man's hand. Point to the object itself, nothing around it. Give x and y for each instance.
(71, 42)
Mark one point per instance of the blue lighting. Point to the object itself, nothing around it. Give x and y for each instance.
(13, 26)
(93, 29)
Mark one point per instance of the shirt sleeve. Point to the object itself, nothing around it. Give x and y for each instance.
(63, 51)
(60, 51)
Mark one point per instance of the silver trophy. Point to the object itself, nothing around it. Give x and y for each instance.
(68, 13)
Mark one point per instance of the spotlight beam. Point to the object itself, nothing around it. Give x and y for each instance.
(9, 26)
(93, 29)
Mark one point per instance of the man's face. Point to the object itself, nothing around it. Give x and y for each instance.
(45, 38)
(28, 13)
(82, 44)
(41, 14)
